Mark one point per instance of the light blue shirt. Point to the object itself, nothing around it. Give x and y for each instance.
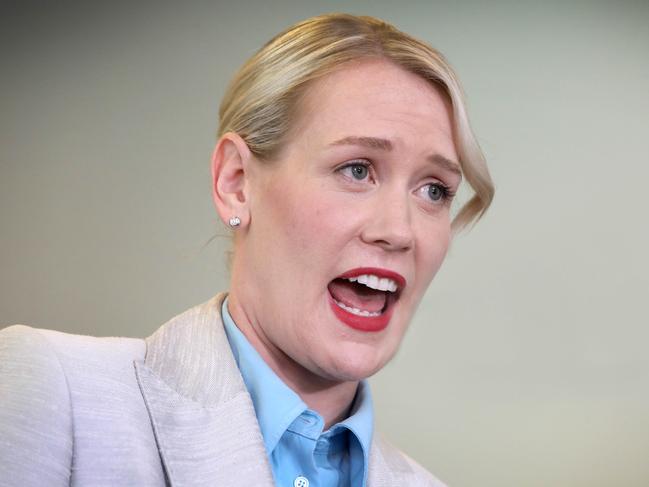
(300, 453)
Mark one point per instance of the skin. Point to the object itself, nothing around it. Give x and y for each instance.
(306, 219)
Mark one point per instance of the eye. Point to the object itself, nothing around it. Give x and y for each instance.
(438, 192)
(435, 192)
(358, 170)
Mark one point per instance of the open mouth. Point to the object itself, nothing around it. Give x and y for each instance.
(364, 298)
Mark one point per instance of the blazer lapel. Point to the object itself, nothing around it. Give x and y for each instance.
(385, 467)
(389, 467)
(202, 415)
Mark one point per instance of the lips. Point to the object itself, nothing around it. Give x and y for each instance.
(364, 298)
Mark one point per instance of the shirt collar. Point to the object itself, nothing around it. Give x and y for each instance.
(361, 418)
(277, 405)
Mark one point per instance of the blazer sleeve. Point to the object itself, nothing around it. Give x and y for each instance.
(35, 412)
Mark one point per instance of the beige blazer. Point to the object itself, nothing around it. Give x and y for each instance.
(170, 410)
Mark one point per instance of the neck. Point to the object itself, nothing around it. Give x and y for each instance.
(330, 398)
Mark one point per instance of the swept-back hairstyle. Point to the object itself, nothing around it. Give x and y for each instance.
(262, 100)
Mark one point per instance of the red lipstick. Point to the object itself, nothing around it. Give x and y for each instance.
(369, 323)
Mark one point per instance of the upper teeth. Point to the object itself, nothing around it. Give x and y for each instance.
(375, 282)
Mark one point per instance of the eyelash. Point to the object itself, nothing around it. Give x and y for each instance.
(447, 192)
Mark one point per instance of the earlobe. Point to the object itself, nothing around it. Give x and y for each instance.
(229, 178)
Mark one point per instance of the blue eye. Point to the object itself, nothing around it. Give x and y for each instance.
(359, 171)
(438, 192)
(435, 192)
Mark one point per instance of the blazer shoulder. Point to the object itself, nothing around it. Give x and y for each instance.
(67, 349)
(54, 385)
(399, 467)
(28, 350)
(35, 412)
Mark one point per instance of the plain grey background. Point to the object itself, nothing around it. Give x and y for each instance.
(527, 362)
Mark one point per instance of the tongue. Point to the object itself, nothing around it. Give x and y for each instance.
(357, 296)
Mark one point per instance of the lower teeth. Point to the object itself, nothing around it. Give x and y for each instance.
(356, 311)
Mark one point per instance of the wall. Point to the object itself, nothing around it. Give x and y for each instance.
(526, 364)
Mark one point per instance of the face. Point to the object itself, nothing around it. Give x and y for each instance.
(358, 199)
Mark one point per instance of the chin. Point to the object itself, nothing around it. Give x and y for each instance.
(356, 365)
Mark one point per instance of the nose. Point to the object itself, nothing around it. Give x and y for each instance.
(389, 224)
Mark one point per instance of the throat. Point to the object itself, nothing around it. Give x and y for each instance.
(358, 296)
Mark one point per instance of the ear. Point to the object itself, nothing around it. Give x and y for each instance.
(230, 185)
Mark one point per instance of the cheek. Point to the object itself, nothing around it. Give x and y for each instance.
(432, 251)
(318, 221)
(282, 211)
(303, 230)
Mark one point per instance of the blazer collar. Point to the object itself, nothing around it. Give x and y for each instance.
(202, 416)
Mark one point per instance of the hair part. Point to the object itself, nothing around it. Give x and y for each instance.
(262, 100)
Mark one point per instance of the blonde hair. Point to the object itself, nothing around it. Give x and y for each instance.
(262, 99)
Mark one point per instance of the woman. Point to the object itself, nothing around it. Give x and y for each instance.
(342, 143)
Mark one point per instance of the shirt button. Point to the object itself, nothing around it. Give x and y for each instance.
(301, 482)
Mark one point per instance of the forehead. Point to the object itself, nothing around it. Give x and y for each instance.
(375, 98)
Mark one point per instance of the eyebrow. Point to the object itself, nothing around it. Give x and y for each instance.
(386, 145)
(369, 142)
